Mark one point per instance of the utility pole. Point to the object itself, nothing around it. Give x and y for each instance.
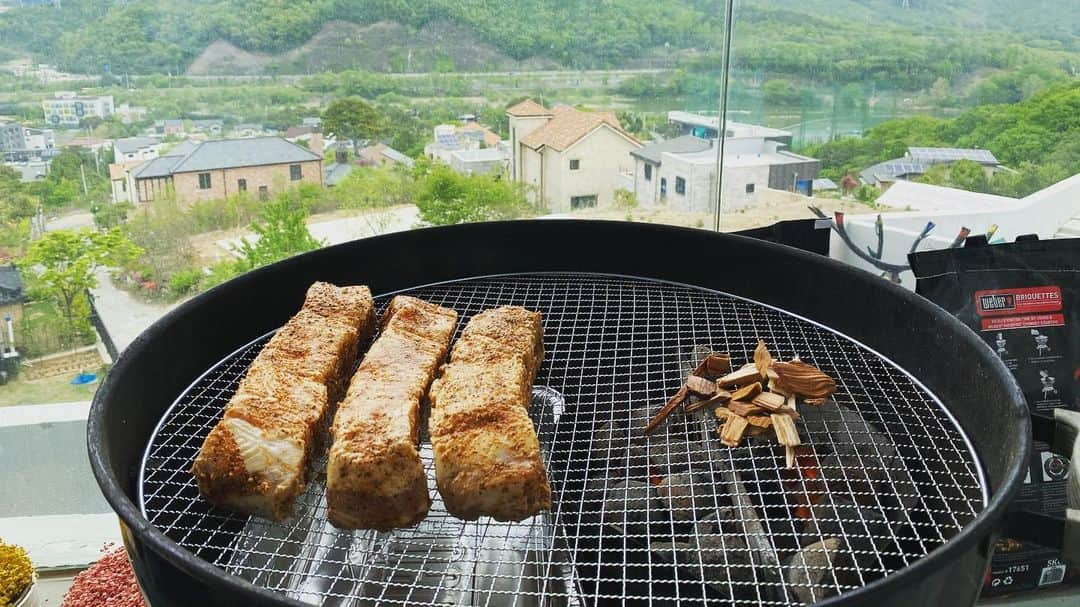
(82, 171)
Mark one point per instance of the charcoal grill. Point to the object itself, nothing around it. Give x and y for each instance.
(904, 472)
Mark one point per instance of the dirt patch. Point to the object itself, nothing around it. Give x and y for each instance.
(386, 46)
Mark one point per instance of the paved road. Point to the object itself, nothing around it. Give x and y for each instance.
(124, 316)
(337, 231)
(73, 221)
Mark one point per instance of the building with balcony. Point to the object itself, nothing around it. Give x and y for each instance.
(20, 143)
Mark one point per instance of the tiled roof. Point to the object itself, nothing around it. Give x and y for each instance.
(130, 145)
(183, 148)
(527, 108)
(255, 151)
(158, 167)
(947, 155)
(568, 126)
(678, 145)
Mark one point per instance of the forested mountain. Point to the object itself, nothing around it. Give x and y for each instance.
(856, 36)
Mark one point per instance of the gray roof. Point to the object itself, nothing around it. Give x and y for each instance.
(891, 169)
(11, 285)
(183, 148)
(169, 122)
(256, 151)
(223, 154)
(130, 145)
(335, 172)
(158, 167)
(824, 183)
(948, 155)
(679, 145)
(397, 156)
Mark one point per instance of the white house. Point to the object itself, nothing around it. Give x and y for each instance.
(70, 109)
(569, 158)
(681, 173)
(136, 148)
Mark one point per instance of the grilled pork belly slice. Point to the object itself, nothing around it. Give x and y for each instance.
(374, 477)
(255, 459)
(487, 455)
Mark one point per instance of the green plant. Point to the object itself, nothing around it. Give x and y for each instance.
(355, 119)
(185, 281)
(63, 265)
(281, 231)
(867, 194)
(108, 215)
(446, 198)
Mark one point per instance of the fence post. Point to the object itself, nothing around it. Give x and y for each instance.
(99, 325)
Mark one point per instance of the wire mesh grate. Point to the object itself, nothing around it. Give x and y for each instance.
(884, 476)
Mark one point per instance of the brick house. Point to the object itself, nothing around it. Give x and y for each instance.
(262, 166)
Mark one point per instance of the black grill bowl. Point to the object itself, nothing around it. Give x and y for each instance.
(949, 359)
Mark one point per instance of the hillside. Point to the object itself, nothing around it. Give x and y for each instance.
(159, 36)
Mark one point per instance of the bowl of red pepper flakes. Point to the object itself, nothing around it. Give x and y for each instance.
(108, 582)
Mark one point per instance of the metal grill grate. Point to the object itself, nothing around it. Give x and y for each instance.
(674, 516)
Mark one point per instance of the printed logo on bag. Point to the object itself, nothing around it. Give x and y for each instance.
(1019, 308)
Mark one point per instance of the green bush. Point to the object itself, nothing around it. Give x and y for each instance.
(185, 281)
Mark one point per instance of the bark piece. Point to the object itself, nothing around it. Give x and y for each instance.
(804, 379)
(700, 386)
(721, 396)
(714, 365)
(666, 410)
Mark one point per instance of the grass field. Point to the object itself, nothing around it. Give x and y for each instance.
(47, 390)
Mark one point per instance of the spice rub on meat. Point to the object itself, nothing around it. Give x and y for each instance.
(255, 460)
(487, 455)
(374, 477)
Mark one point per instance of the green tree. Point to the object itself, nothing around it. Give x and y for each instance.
(63, 265)
(108, 215)
(355, 119)
(282, 232)
(968, 175)
(446, 198)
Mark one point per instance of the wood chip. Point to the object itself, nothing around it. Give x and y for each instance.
(745, 409)
(746, 373)
(666, 410)
(747, 392)
(723, 413)
(752, 430)
(803, 379)
(814, 401)
(733, 430)
(714, 365)
(785, 429)
(760, 421)
(770, 401)
(721, 397)
(762, 359)
(789, 455)
(700, 386)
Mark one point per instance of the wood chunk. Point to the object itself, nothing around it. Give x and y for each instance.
(721, 396)
(804, 379)
(814, 401)
(666, 410)
(747, 392)
(733, 431)
(770, 401)
(785, 429)
(723, 413)
(700, 386)
(752, 430)
(762, 359)
(760, 421)
(714, 365)
(789, 456)
(744, 409)
(746, 373)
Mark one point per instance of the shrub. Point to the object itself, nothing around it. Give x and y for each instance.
(185, 281)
